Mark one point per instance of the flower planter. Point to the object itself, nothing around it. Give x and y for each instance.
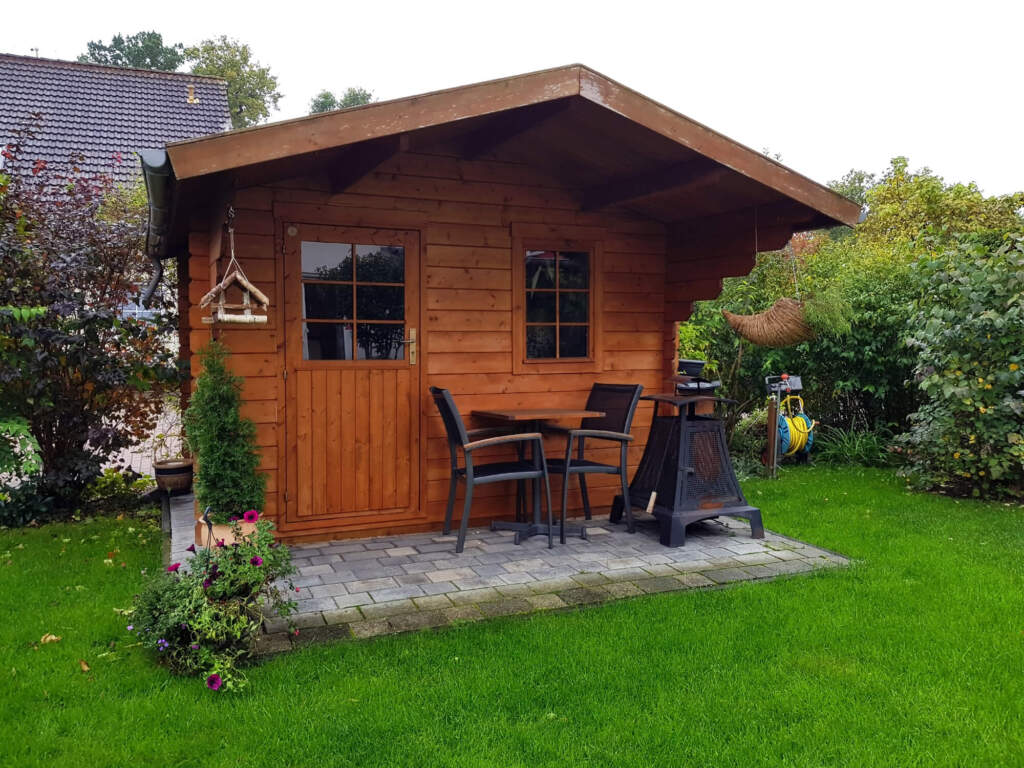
(221, 532)
(173, 475)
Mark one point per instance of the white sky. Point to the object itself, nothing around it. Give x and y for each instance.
(831, 86)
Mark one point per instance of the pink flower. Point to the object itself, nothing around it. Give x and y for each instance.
(251, 516)
(173, 567)
(256, 560)
(220, 542)
(206, 583)
(213, 682)
(190, 548)
(296, 589)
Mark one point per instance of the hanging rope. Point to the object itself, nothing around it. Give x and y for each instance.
(234, 274)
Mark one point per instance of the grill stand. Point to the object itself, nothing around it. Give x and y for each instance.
(686, 464)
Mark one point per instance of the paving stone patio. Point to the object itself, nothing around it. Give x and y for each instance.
(367, 587)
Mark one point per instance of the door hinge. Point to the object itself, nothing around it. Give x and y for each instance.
(284, 374)
(286, 497)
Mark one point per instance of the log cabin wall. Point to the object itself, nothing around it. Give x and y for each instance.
(465, 212)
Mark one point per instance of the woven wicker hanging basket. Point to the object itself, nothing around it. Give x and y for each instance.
(781, 325)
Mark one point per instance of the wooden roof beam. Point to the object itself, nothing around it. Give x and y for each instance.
(674, 177)
(507, 125)
(360, 160)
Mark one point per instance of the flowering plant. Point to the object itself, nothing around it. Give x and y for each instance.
(203, 618)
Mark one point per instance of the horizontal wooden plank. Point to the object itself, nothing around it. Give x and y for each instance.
(467, 320)
(632, 340)
(460, 298)
(469, 341)
(632, 302)
(472, 279)
(447, 363)
(463, 256)
(260, 411)
(468, 234)
(494, 383)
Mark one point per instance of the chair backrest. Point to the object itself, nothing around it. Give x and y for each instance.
(453, 425)
(618, 401)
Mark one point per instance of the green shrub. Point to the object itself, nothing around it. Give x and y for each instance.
(750, 435)
(228, 480)
(115, 492)
(19, 450)
(205, 620)
(968, 334)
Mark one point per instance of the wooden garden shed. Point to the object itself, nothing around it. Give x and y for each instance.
(532, 235)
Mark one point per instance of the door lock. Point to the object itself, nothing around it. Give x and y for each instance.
(411, 342)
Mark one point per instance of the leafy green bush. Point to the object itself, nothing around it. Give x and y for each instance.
(205, 620)
(19, 450)
(750, 435)
(228, 480)
(968, 333)
(25, 503)
(115, 492)
(835, 445)
(87, 379)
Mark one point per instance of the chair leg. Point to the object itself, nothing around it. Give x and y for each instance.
(465, 518)
(547, 492)
(585, 495)
(565, 502)
(452, 488)
(626, 503)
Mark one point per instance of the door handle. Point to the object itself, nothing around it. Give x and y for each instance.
(411, 342)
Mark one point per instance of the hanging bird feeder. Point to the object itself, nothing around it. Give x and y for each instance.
(225, 312)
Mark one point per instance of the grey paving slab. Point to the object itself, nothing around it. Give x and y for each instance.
(368, 587)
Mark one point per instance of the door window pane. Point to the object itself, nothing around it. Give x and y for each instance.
(379, 302)
(572, 341)
(327, 301)
(380, 341)
(327, 341)
(540, 341)
(326, 261)
(380, 264)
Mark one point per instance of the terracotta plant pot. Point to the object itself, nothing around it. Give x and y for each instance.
(173, 474)
(220, 532)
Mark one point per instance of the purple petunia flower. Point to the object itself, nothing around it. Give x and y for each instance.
(206, 583)
(190, 548)
(131, 627)
(194, 646)
(213, 682)
(251, 516)
(234, 519)
(173, 567)
(220, 542)
(256, 560)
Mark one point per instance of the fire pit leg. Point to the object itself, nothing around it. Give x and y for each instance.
(673, 531)
(756, 526)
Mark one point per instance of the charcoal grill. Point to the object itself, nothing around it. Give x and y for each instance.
(685, 474)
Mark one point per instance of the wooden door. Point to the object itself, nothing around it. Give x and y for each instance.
(352, 382)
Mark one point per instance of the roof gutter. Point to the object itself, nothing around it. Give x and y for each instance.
(159, 178)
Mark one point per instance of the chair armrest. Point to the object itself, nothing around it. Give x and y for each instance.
(601, 434)
(519, 437)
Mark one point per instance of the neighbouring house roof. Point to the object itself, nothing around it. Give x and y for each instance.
(101, 112)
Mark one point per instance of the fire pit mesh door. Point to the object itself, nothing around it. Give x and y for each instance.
(704, 478)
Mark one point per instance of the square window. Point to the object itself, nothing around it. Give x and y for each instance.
(572, 341)
(326, 261)
(540, 342)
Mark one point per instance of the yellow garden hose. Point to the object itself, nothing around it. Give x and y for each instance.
(800, 426)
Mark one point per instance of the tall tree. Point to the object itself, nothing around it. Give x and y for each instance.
(252, 90)
(143, 50)
(325, 101)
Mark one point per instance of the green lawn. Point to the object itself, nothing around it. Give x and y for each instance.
(913, 657)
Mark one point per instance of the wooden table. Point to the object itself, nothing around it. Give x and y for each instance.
(537, 414)
(529, 419)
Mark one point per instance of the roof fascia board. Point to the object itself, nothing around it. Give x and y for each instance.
(698, 137)
(317, 132)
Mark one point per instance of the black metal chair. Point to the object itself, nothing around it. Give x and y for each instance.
(495, 472)
(618, 402)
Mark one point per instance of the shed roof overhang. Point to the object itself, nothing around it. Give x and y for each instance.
(614, 146)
